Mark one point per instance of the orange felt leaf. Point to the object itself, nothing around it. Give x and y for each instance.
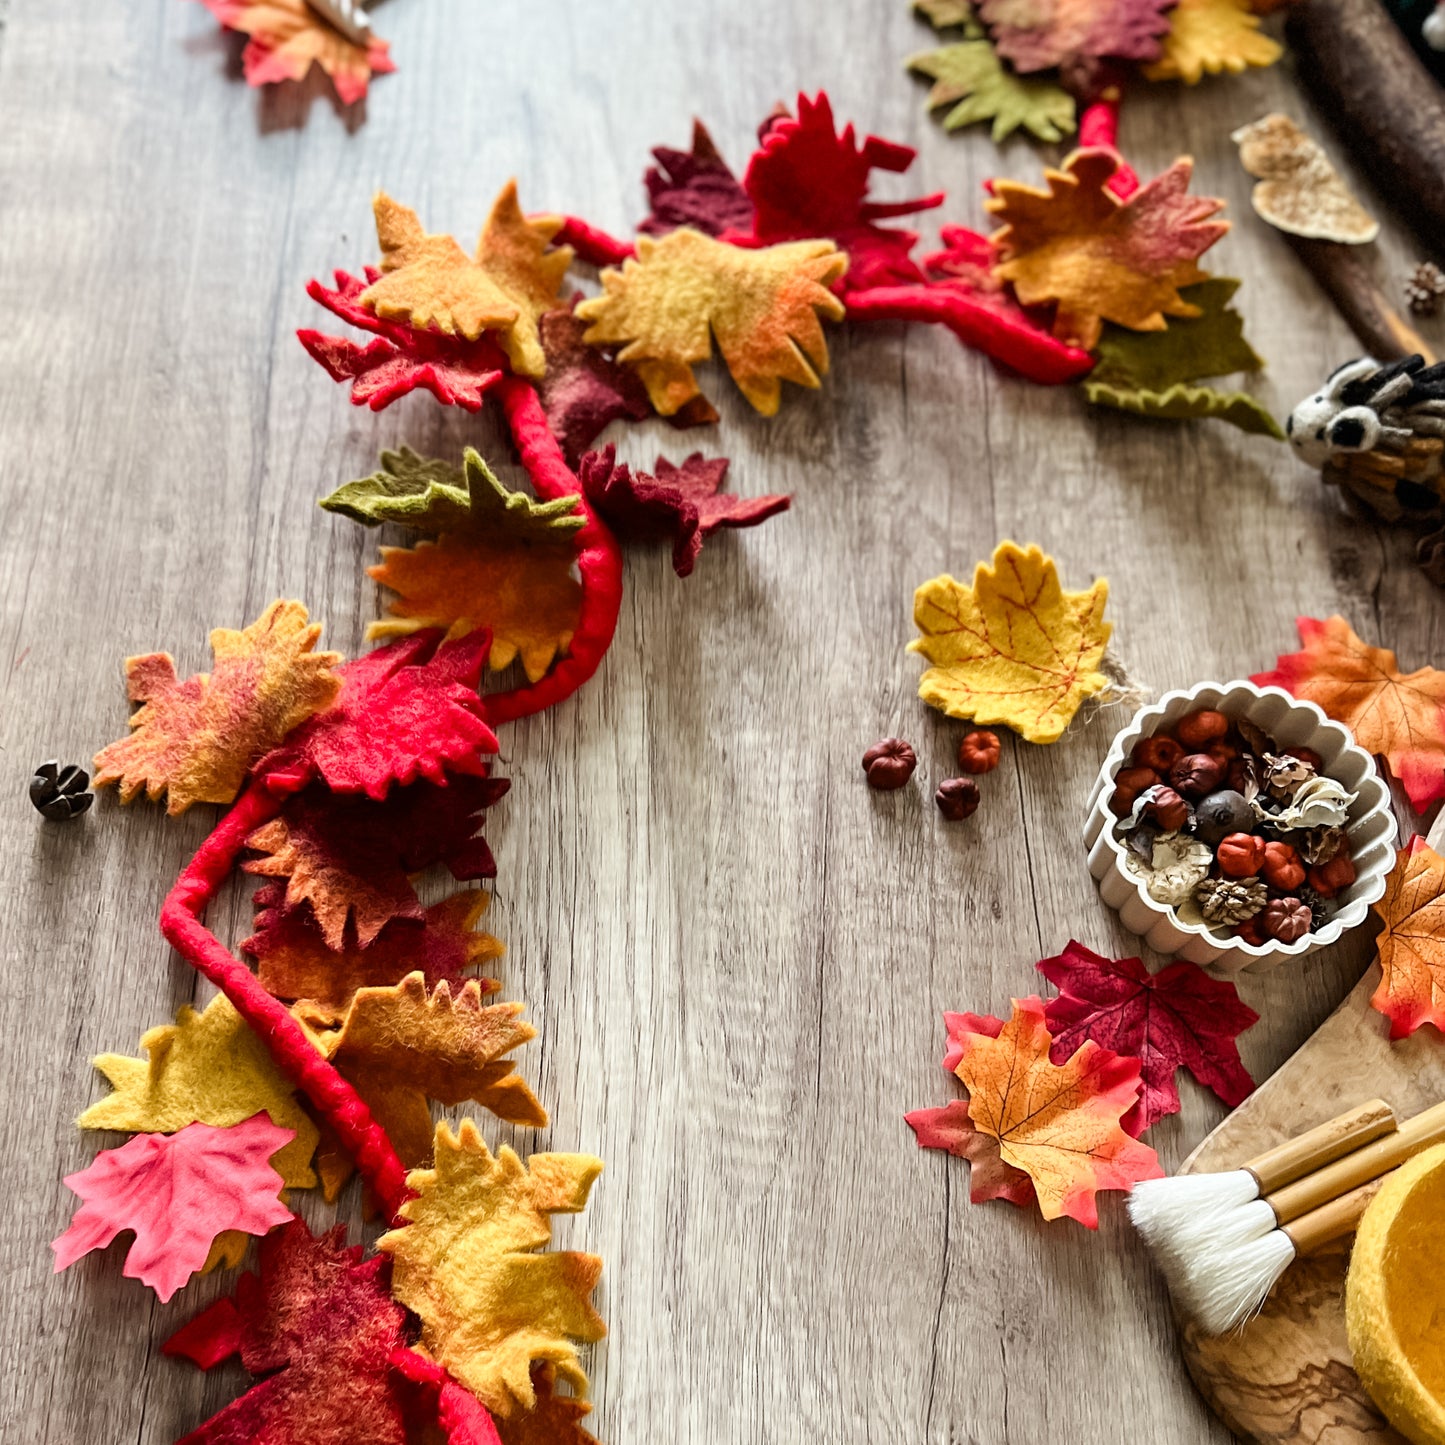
(554, 1420)
(429, 281)
(1412, 947)
(1400, 716)
(195, 740)
(1099, 258)
(1059, 1123)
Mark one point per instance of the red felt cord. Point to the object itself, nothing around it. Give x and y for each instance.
(592, 244)
(1099, 129)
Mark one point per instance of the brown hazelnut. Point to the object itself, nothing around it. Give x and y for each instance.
(1196, 774)
(1201, 728)
(957, 799)
(1159, 753)
(889, 764)
(1286, 919)
(1167, 809)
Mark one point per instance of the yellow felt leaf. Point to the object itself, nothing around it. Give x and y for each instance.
(1014, 648)
(468, 1263)
(208, 1068)
(1208, 36)
(686, 289)
(196, 739)
(430, 281)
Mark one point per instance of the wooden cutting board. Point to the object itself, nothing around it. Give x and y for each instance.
(1286, 1378)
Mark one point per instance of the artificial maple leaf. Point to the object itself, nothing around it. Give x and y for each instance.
(1399, 716)
(1044, 34)
(762, 306)
(294, 963)
(288, 37)
(467, 1263)
(554, 1420)
(1014, 648)
(1412, 945)
(1179, 1018)
(1099, 258)
(429, 281)
(1209, 36)
(969, 77)
(1059, 1123)
(694, 188)
(177, 1192)
(680, 502)
(195, 740)
(207, 1068)
(318, 1323)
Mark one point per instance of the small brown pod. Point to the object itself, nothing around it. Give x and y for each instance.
(957, 799)
(1159, 753)
(1196, 774)
(980, 752)
(1286, 919)
(889, 764)
(1199, 729)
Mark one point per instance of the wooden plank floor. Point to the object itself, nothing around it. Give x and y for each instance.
(735, 954)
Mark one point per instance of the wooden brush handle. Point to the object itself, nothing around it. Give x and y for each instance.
(1311, 1232)
(1296, 1158)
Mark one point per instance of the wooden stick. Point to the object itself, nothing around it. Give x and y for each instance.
(1312, 1151)
(1340, 1217)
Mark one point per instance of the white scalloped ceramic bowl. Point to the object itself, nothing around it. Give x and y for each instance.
(1292, 722)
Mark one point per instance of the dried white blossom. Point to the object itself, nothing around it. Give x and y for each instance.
(1176, 869)
(1317, 803)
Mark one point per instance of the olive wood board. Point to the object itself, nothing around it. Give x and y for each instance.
(1287, 1377)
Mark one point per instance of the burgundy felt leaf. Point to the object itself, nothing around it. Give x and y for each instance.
(177, 1192)
(682, 503)
(433, 1398)
(1074, 35)
(808, 180)
(405, 711)
(400, 359)
(320, 1324)
(584, 388)
(695, 188)
(1176, 1018)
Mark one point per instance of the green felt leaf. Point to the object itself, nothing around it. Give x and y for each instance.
(947, 14)
(435, 496)
(1184, 403)
(971, 74)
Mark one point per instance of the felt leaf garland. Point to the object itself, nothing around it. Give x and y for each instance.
(1043, 34)
(1179, 1018)
(177, 1192)
(318, 1323)
(467, 1263)
(1209, 36)
(945, 14)
(1400, 716)
(1097, 257)
(1183, 402)
(207, 1068)
(1059, 1123)
(1412, 945)
(1014, 648)
(584, 389)
(686, 289)
(288, 37)
(195, 740)
(694, 188)
(969, 77)
(554, 1420)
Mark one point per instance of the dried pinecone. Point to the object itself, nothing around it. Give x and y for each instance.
(1425, 288)
(1283, 775)
(1318, 845)
(1229, 901)
(1320, 911)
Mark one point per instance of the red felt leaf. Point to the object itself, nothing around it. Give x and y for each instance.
(406, 711)
(695, 188)
(320, 1324)
(433, 1397)
(680, 502)
(584, 388)
(808, 180)
(177, 1192)
(1179, 1018)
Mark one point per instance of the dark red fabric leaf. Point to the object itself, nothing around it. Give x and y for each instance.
(584, 388)
(320, 1324)
(1177, 1018)
(695, 188)
(682, 503)
(436, 1403)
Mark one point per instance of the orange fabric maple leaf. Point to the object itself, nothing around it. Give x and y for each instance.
(429, 281)
(195, 740)
(1099, 258)
(554, 1420)
(1400, 716)
(1412, 947)
(1059, 1123)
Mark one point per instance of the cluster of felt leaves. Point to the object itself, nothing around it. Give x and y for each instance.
(1059, 1093)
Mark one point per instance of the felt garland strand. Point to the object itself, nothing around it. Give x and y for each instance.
(593, 245)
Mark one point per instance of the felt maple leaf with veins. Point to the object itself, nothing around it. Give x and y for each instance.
(1098, 258)
(1412, 946)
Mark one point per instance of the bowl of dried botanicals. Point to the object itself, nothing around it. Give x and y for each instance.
(1237, 826)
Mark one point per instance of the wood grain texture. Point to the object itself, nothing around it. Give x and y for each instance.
(735, 954)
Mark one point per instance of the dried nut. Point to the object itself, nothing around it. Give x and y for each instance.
(1282, 867)
(1317, 803)
(1200, 729)
(957, 799)
(1328, 879)
(1240, 855)
(1243, 777)
(1231, 900)
(1196, 774)
(889, 764)
(1222, 813)
(1159, 753)
(1128, 784)
(1223, 753)
(1167, 809)
(979, 752)
(1286, 919)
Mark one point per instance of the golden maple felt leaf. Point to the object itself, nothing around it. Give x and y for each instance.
(1059, 1123)
(1097, 257)
(1014, 648)
(1412, 946)
(207, 1068)
(195, 740)
(468, 1263)
(1209, 36)
(430, 281)
(686, 289)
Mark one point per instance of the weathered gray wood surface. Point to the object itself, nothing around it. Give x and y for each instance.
(735, 954)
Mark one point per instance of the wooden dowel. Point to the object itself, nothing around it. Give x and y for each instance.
(1296, 1158)
(1332, 1221)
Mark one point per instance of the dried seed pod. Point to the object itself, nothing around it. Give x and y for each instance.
(1196, 775)
(1282, 867)
(59, 793)
(1286, 919)
(1424, 289)
(1159, 753)
(1201, 728)
(1222, 813)
(1165, 807)
(1229, 901)
(1319, 845)
(957, 799)
(889, 764)
(980, 752)
(1240, 855)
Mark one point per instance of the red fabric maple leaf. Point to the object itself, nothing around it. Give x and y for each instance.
(456, 371)
(405, 711)
(584, 388)
(695, 188)
(807, 180)
(432, 1396)
(177, 1192)
(320, 1324)
(680, 502)
(1178, 1018)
